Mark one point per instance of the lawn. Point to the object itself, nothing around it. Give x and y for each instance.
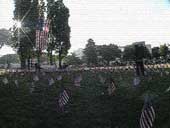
(34, 104)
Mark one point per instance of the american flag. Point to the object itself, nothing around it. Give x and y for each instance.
(42, 31)
(148, 116)
(111, 88)
(63, 99)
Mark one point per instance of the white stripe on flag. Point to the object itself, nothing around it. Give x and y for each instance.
(63, 99)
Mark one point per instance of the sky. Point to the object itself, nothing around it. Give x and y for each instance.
(120, 22)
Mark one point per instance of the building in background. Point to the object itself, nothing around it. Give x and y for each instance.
(139, 43)
(148, 46)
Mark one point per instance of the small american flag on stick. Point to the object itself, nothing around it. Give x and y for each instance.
(111, 88)
(63, 98)
(148, 115)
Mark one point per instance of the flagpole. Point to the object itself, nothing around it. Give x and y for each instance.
(38, 56)
(39, 36)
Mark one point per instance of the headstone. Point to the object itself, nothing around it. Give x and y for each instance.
(136, 81)
(16, 82)
(5, 80)
(102, 79)
(51, 81)
(35, 78)
(168, 89)
(59, 77)
(167, 73)
(77, 80)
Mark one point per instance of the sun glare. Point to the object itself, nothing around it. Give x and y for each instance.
(18, 24)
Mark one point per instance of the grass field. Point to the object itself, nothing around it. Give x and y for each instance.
(33, 104)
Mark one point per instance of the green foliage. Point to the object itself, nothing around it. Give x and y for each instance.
(4, 36)
(51, 48)
(109, 52)
(58, 14)
(23, 39)
(164, 50)
(147, 54)
(129, 53)
(90, 53)
(155, 52)
(136, 52)
(9, 58)
(73, 60)
(139, 52)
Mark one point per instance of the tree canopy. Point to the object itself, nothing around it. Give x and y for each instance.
(135, 52)
(90, 53)
(58, 14)
(129, 53)
(164, 50)
(23, 39)
(109, 52)
(156, 52)
(73, 60)
(4, 36)
(9, 58)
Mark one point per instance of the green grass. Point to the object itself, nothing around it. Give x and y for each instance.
(89, 107)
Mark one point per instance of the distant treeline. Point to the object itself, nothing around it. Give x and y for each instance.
(9, 58)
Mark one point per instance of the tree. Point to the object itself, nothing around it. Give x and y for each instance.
(90, 53)
(129, 53)
(156, 52)
(51, 44)
(58, 13)
(164, 50)
(9, 58)
(147, 54)
(40, 25)
(23, 39)
(109, 52)
(73, 60)
(4, 36)
(50, 49)
(141, 52)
